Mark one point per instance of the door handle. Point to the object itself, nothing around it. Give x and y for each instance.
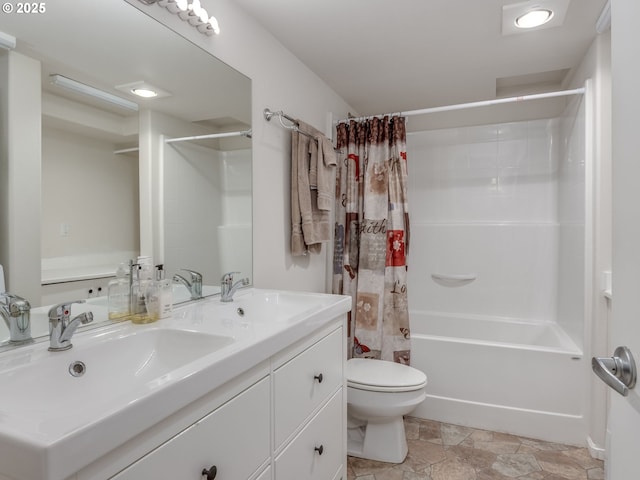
(619, 371)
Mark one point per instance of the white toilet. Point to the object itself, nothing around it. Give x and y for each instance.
(379, 393)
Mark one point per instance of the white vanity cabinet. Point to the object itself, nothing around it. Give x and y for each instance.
(233, 441)
(308, 409)
(316, 453)
(288, 423)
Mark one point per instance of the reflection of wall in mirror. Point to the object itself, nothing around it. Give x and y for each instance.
(206, 195)
(234, 234)
(89, 196)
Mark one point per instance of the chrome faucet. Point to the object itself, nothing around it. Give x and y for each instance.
(61, 329)
(228, 288)
(194, 286)
(16, 313)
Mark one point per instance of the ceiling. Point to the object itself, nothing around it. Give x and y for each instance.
(382, 56)
(130, 46)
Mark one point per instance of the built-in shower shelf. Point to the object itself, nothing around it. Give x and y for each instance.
(453, 280)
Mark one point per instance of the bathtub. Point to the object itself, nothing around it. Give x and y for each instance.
(500, 374)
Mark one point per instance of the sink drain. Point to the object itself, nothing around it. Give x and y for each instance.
(77, 369)
(240, 311)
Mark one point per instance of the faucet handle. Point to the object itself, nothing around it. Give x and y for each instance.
(195, 276)
(62, 309)
(15, 305)
(228, 277)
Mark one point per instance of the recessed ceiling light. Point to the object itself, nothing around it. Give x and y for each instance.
(144, 92)
(143, 89)
(534, 18)
(518, 18)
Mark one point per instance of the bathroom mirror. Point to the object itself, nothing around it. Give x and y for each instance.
(121, 189)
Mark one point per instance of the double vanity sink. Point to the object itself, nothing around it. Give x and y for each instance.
(61, 411)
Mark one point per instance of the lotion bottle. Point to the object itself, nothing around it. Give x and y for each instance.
(160, 295)
(140, 287)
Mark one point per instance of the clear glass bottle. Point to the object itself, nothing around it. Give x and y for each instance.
(140, 294)
(118, 295)
(164, 290)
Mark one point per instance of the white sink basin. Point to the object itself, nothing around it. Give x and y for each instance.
(113, 366)
(261, 306)
(41, 396)
(54, 424)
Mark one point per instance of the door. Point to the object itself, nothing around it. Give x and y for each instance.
(624, 412)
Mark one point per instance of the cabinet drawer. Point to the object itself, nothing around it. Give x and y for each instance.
(301, 459)
(304, 382)
(234, 438)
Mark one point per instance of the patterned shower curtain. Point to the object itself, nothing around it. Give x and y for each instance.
(372, 236)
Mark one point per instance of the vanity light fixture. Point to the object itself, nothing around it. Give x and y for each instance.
(192, 12)
(75, 86)
(534, 18)
(7, 42)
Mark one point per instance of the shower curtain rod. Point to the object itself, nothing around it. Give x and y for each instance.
(268, 114)
(243, 133)
(125, 150)
(483, 103)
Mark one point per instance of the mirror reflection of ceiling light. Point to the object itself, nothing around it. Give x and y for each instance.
(191, 11)
(81, 88)
(144, 92)
(143, 89)
(534, 18)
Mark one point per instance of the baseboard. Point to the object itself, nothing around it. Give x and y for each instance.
(594, 450)
(542, 425)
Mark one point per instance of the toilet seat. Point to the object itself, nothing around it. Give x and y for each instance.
(383, 376)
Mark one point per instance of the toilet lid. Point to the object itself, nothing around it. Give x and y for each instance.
(381, 375)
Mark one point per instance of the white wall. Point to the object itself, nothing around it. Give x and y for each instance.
(596, 66)
(281, 82)
(572, 219)
(483, 200)
(20, 174)
(235, 232)
(90, 190)
(192, 201)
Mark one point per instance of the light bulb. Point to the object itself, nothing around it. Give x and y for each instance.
(144, 92)
(214, 25)
(534, 18)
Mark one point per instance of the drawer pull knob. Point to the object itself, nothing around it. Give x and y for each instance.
(211, 473)
(318, 377)
(319, 449)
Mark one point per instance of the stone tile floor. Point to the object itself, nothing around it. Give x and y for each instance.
(439, 451)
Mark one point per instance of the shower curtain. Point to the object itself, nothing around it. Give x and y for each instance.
(372, 236)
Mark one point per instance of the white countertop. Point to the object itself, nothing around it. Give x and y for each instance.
(50, 444)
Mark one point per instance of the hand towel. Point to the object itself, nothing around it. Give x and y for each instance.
(311, 180)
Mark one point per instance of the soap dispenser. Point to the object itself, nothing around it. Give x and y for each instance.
(161, 295)
(118, 295)
(140, 286)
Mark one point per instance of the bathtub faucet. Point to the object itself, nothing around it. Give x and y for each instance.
(228, 288)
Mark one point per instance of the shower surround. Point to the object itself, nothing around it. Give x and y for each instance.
(496, 277)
